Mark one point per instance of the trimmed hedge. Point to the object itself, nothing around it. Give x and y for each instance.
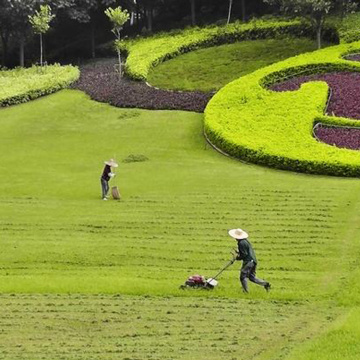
(248, 121)
(21, 85)
(145, 53)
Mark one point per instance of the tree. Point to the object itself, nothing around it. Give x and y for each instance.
(148, 7)
(118, 18)
(193, 12)
(40, 23)
(229, 14)
(315, 10)
(243, 10)
(14, 23)
(86, 12)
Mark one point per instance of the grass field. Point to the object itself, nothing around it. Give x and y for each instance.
(212, 68)
(122, 327)
(59, 238)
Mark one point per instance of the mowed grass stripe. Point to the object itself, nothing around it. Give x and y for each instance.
(104, 327)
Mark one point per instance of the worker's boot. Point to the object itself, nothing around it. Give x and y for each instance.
(267, 287)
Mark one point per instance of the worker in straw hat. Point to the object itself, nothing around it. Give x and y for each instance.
(106, 176)
(246, 253)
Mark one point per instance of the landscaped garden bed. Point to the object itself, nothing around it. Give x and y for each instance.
(341, 137)
(102, 83)
(248, 121)
(21, 85)
(343, 102)
(145, 53)
(212, 68)
(345, 90)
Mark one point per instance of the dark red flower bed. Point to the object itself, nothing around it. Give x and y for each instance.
(345, 86)
(341, 137)
(99, 80)
(353, 57)
(344, 102)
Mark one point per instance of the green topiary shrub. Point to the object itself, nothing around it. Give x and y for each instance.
(21, 85)
(248, 121)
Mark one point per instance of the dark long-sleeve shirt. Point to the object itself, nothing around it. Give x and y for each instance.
(106, 172)
(246, 251)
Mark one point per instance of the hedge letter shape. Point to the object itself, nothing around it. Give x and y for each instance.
(252, 123)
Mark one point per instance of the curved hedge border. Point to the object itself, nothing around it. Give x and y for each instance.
(21, 85)
(250, 122)
(145, 53)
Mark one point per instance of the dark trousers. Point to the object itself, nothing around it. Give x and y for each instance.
(248, 271)
(104, 187)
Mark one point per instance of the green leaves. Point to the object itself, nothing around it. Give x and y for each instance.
(40, 21)
(118, 18)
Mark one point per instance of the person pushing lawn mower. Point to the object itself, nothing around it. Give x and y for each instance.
(246, 254)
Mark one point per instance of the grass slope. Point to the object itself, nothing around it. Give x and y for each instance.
(57, 236)
(212, 68)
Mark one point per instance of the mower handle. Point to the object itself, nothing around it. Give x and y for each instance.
(224, 268)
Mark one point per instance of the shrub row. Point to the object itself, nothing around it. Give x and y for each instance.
(248, 121)
(145, 53)
(21, 85)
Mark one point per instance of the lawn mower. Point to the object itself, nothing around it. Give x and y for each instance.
(201, 282)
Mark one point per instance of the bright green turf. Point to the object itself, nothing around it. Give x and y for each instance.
(212, 68)
(176, 210)
(122, 327)
(57, 236)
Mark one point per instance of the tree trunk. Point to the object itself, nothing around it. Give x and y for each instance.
(230, 7)
(318, 35)
(119, 57)
(120, 66)
(193, 14)
(4, 41)
(21, 52)
(41, 50)
(149, 18)
(137, 16)
(243, 10)
(93, 52)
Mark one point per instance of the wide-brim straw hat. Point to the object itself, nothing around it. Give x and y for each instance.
(112, 163)
(238, 234)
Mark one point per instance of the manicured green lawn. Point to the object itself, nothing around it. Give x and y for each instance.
(127, 327)
(59, 238)
(212, 68)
